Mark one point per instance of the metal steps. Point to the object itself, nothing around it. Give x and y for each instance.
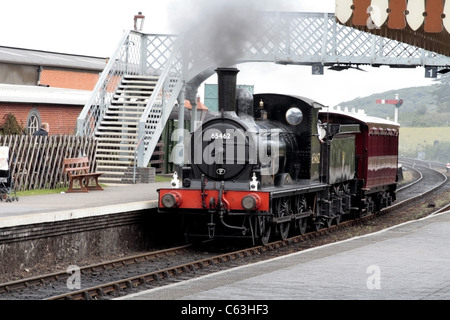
(117, 133)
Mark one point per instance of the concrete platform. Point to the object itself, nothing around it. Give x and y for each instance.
(407, 262)
(63, 206)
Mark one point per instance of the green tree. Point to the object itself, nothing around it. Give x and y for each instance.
(11, 125)
(421, 110)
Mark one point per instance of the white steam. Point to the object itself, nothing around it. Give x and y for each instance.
(217, 29)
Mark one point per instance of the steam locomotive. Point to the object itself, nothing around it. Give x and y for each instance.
(268, 165)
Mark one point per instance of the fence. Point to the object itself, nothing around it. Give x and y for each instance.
(37, 162)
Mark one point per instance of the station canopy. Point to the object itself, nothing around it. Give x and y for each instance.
(421, 23)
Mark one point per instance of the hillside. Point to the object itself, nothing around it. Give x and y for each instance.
(421, 106)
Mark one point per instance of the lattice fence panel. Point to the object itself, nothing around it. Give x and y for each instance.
(37, 162)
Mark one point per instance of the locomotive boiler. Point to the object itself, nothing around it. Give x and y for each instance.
(272, 164)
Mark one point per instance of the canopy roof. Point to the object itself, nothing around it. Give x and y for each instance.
(424, 24)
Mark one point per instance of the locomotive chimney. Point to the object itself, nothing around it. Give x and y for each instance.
(227, 80)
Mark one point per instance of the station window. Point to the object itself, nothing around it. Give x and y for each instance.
(33, 121)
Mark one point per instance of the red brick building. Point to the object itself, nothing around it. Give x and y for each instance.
(39, 86)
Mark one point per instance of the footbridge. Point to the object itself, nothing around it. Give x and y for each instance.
(151, 73)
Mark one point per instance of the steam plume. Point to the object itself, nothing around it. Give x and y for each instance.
(217, 29)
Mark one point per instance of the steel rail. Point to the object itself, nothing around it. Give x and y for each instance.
(57, 276)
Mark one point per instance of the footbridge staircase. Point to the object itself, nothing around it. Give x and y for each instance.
(149, 74)
(131, 104)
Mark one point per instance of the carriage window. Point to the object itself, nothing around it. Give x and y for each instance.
(294, 116)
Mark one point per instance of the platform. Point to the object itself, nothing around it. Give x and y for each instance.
(62, 206)
(408, 262)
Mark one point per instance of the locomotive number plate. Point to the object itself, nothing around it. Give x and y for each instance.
(221, 136)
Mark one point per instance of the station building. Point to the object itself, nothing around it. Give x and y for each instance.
(41, 86)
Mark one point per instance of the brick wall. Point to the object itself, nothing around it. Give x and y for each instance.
(69, 79)
(62, 118)
(17, 110)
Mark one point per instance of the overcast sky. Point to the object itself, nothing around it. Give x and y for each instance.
(94, 28)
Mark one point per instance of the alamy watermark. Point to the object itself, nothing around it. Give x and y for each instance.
(229, 146)
(74, 280)
(374, 280)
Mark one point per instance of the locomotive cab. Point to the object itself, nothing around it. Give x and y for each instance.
(299, 117)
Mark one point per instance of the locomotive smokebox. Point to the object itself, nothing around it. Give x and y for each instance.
(227, 80)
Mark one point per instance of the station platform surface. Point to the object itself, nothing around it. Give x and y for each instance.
(407, 262)
(63, 206)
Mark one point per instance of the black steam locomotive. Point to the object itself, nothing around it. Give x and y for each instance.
(271, 164)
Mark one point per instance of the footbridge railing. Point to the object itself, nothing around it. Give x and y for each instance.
(142, 55)
(160, 105)
(136, 54)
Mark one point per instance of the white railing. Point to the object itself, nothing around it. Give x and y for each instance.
(160, 105)
(137, 54)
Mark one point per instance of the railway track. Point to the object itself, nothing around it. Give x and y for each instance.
(182, 267)
(24, 284)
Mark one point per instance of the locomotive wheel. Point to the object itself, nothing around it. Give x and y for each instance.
(338, 218)
(283, 209)
(302, 225)
(317, 226)
(265, 229)
(299, 207)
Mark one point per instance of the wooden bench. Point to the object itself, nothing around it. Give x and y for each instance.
(78, 169)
